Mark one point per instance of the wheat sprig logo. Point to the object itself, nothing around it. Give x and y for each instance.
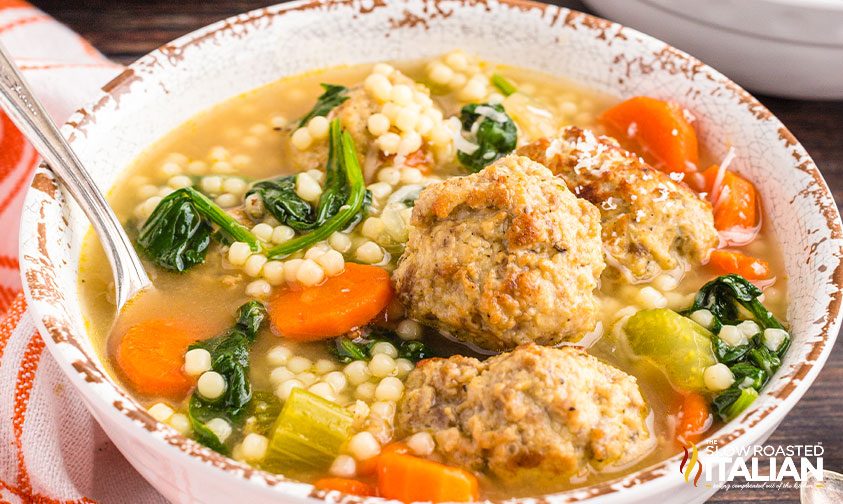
(691, 460)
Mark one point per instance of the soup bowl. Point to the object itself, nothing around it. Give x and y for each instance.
(165, 88)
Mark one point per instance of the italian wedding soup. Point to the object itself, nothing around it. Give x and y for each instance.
(441, 280)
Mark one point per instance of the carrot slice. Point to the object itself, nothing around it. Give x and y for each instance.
(151, 356)
(732, 261)
(345, 485)
(413, 479)
(658, 130)
(735, 202)
(694, 418)
(370, 466)
(341, 303)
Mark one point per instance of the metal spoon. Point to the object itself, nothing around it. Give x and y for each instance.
(29, 116)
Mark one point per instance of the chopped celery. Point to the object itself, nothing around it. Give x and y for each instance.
(308, 434)
(677, 345)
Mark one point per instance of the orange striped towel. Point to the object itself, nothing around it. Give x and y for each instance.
(51, 449)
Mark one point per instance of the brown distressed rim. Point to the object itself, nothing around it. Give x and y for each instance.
(807, 371)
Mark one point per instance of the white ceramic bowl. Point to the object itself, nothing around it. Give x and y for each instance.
(791, 48)
(168, 86)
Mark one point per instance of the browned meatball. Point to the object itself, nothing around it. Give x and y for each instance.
(533, 414)
(503, 257)
(650, 223)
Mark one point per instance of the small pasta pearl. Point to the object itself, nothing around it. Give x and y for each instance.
(263, 231)
(180, 423)
(234, 185)
(377, 124)
(380, 190)
(307, 188)
(340, 242)
(307, 378)
(309, 273)
(220, 428)
(197, 361)
(389, 389)
(704, 318)
(299, 364)
(421, 443)
(254, 447)
(410, 142)
(378, 86)
(357, 372)
(407, 119)
(211, 385)
(238, 253)
(260, 289)
(383, 68)
(323, 390)
(332, 262)
(283, 391)
(280, 234)
(291, 269)
(389, 142)
(254, 265)
(411, 176)
(385, 347)
(227, 200)
(384, 409)
(365, 391)
(401, 94)
(440, 74)
(318, 128)
(160, 412)
(211, 184)
(337, 380)
(343, 467)
(273, 272)
(389, 176)
(649, 297)
(372, 228)
(278, 355)
(403, 367)
(363, 446)
(280, 375)
(409, 329)
(369, 252)
(301, 139)
(179, 181)
(718, 377)
(381, 365)
(457, 61)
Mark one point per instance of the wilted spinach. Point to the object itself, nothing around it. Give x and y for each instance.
(489, 127)
(345, 349)
(280, 199)
(752, 364)
(333, 97)
(230, 358)
(343, 196)
(177, 234)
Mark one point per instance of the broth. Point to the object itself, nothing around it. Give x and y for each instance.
(247, 137)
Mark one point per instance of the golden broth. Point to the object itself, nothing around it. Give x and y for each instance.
(246, 127)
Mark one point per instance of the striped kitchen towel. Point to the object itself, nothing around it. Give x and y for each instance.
(51, 449)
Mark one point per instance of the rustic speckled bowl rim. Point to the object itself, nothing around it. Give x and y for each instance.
(44, 294)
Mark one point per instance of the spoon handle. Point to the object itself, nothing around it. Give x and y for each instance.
(29, 116)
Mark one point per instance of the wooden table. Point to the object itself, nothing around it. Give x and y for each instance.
(127, 29)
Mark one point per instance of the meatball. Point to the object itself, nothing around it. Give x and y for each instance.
(503, 257)
(527, 416)
(650, 223)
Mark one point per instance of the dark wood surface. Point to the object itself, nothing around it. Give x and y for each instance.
(127, 29)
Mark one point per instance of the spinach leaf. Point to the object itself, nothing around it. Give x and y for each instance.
(333, 97)
(264, 408)
(722, 296)
(178, 233)
(176, 236)
(281, 201)
(343, 197)
(230, 358)
(489, 127)
(346, 350)
(743, 370)
(731, 402)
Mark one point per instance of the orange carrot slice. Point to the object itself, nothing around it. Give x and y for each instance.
(151, 356)
(658, 130)
(341, 303)
(413, 479)
(694, 418)
(732, 261)
(735, 200)
(345, 485)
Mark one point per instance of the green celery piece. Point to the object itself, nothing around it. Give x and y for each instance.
(677, 345)
(308, 434)
(503, 85)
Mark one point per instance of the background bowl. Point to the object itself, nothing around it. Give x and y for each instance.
(791, 48)
(170, 85)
